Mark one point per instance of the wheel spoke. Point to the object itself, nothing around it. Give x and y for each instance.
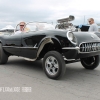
(48, 62)
(56, 65)
(54, 70)
(52, 59)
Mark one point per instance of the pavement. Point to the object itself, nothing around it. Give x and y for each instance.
(25, 80)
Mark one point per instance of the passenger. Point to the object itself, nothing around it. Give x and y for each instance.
(93, 26)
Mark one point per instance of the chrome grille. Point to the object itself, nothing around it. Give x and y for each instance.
(89, 47)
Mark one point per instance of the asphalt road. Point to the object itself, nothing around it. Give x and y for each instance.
(24, 80)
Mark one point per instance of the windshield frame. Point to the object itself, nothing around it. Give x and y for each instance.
(39, 24)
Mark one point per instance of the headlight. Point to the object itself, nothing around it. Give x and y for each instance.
(71, 37)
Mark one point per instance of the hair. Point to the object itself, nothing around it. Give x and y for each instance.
(22, 22)
(91, 19)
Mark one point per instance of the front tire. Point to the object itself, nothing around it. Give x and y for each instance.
(90, 62)
(3, 56)
(54, 65)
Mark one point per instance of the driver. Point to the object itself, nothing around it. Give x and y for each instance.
(22, 28)
(22, 25)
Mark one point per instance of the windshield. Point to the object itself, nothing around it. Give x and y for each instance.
(38, 26)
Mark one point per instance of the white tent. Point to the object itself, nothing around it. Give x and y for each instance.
(8, 27)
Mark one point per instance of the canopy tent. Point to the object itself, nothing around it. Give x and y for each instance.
(7, 28)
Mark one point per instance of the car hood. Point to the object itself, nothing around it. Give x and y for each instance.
(80, 36)
(86, 37)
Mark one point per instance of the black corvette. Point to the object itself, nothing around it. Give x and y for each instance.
(56, 47)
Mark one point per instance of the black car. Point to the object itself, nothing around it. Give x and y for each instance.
(55, 46)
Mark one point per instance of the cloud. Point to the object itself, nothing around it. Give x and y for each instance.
(14, 11)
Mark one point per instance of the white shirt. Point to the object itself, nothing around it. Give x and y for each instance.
(93, 28)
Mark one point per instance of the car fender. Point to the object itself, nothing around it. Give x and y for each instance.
(45, 41)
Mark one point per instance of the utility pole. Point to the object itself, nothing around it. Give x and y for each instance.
(84, 20)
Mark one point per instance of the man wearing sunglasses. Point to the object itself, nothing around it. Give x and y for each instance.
(22, 28)
(22, 25)
(93, 26)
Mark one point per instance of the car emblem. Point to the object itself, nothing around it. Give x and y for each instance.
(92, 36)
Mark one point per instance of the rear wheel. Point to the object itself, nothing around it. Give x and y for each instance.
(3, 56)
(54, 65)
(90, 62)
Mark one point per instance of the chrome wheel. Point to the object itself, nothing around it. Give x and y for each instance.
(51, 65)
(54, 65)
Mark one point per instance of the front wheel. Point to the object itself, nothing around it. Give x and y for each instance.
(90, 62)
(54, 65)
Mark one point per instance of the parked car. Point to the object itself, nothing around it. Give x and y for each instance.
(82, 28)
(55, 46)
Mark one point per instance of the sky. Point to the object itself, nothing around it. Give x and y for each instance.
(14, 11)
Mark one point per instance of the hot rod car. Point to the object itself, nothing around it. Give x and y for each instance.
(55, 46)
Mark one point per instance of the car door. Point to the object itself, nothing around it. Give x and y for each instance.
(30, 39)
(30, 43)
(13, 44)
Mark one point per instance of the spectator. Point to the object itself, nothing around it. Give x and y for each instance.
(93, 26)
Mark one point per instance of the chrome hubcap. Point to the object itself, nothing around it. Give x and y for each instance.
(51, 65)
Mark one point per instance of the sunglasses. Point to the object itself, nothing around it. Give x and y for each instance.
(21, 25)
(89, 21)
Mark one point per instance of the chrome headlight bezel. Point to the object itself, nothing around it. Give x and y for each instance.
(71, 37)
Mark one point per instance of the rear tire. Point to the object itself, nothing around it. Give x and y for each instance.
(3, 56)
(90, 62)
(54, 65)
